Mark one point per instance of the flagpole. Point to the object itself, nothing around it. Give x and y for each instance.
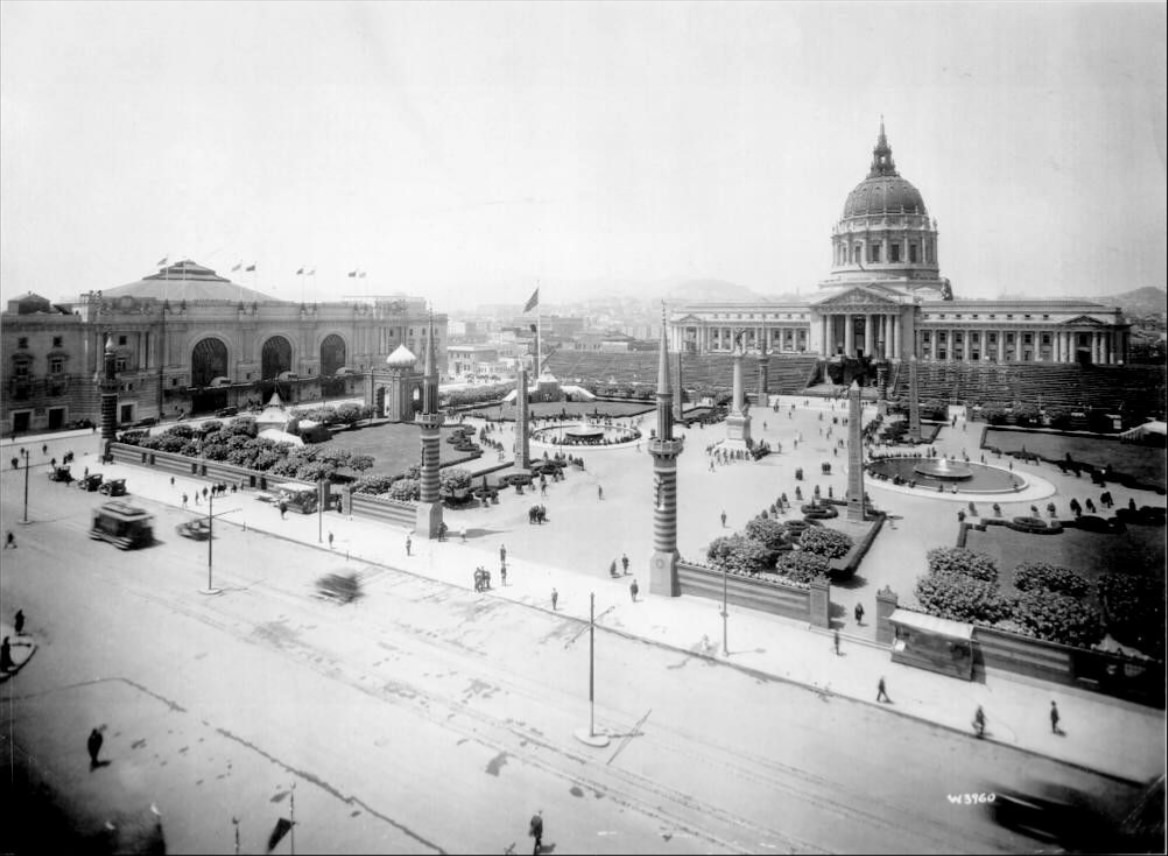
(538, 333)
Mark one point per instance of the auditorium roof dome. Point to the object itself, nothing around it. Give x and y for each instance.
(187, 280)
(883, 191)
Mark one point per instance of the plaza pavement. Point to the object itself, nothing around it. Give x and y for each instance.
(573, 551)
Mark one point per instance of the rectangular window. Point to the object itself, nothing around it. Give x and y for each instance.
(22, 342)
(1046, 338)
(56, 365)
(913, 253)
(1009, 338)
(894, 252)
(1009, 317)
(20, 369)
(873, 252)
(1027, 339)
(120, 364)
(121, 340)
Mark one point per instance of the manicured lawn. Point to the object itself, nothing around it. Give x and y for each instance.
(395, 447)
(1143, 462)
(1139, 550)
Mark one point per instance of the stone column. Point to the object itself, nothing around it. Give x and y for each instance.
(522, 447)
(869, 334)
(855, 456)
(738, 422)
(914, 401)
(849, 335)
(886, 603)
(1001, 346)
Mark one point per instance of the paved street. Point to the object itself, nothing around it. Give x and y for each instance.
(425, 717)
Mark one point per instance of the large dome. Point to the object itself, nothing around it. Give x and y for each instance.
(884, 195)
(883, 191)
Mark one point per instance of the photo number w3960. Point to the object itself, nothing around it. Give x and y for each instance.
(971, 799)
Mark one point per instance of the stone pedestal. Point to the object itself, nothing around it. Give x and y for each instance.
(886, 603)
(428, 519)
(663, 574)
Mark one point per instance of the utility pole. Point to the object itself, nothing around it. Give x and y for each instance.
(590, 736)
(725, 613)
(27, 463)
(210, 589)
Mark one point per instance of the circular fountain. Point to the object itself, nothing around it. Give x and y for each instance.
(944, 469)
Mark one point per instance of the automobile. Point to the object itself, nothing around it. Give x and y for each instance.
(263, 496)
(60, 474)
(90, 482)
(197, 529)
(1054, 814)
(145, 423)
(113, 487)
(226, 411)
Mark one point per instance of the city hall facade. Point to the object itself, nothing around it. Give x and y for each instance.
(886, 299)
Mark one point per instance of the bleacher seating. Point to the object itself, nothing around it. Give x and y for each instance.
(1134, 389)
(786, 374)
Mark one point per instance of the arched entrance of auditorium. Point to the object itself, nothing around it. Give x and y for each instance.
(208, 361)
(332, 358)
(275, 359)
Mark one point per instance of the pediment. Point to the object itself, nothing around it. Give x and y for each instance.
(688, 319)
(857, 297)
(1085, 321)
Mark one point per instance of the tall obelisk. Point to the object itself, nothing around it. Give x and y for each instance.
(108, 384)
(522, 446)
(679, 396)
(855, 455)
(914, 402)
(429, 507)
(738, 422)
(764, 366)
(664, 449)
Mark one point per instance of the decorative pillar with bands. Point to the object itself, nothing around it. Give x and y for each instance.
(856, 502)
(522, 447)
(428, 520)
(109, 397)
(664, 449)
(914, 402)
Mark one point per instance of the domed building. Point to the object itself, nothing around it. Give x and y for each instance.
(885, 299)
(189, 340)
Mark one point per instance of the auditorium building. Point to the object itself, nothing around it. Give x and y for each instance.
(191, 341)
(886, 299)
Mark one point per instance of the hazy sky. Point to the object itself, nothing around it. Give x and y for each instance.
(463, 150)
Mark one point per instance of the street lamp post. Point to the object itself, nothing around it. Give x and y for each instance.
(319, 511)
(27, 463)
(725, 613)
(210, 589)
(591, 737)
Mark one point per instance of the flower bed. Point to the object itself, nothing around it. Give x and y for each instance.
(1035, 525)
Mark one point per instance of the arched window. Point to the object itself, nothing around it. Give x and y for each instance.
(276, 358)
(208, 361)
(332, 355)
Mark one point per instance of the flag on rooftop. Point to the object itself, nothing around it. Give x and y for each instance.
(249, 268)
(163, 261)
(237, 267)
(300, 272)
(532, 301)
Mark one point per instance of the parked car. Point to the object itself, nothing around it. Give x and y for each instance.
(226, 411)
(60, 474)
(90, 482)
(113, 487)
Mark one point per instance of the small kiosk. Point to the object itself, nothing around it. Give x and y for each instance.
(936, 644)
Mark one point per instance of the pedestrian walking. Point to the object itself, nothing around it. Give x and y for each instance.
(10, 540)
(172, 481)
(979, 722)
(723, 519)
(612, 570)
(93, 744)
(283, 507)
(462, 534)
(330, 540)
(19, 622)
(196, 497)
(502, 552)
(205, 492)
(1054, 715)
(625, 562)
(555, 599)
(633, 589)
(599, 492)
(835, 641)
(184, 500)
(409, 544)
(45, 449)
(881, 693)
(503, 572)
(859, 613)
(536, 830)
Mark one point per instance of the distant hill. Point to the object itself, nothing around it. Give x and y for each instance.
(1137, 303)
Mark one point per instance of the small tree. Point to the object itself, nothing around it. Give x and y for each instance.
(799, 566)
(825, 542)
(405, 490)
(961, 598)
(961, 561)
(1043, 576)
(1058, 617)
(739, 553)
(770, 532)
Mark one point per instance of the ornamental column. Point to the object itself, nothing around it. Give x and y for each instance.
(738, 422)
(914, 402)
(849, 335)
(428, 518)
(664, 450)
(522, 448)
(855, 456)
(108, 384)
